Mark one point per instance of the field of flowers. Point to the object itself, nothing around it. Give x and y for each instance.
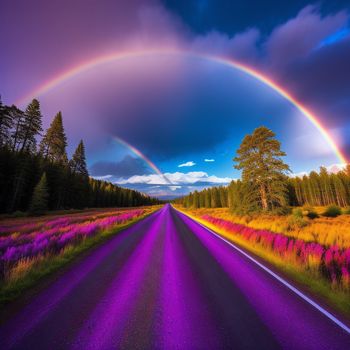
(322, 230)
(329, 263)
(25, 244)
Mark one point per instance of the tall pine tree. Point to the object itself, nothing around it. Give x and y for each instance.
(78, 161)
(260, 159)
(54, 143)
(5, 124)
(16, 137)
(31, 126)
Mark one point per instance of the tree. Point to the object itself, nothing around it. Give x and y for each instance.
(39, 203)
(54, 143)
(260, 159)
(31, 126)
(215, 199)
(347, 170)
(207, 198)
(195, 200)
(16, 136)
(326, 187)
(78, 161)
(5, 124)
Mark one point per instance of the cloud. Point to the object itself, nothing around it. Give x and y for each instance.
(241, 46)
(209, 160)
(103, 177)
(181, 183)
(299, 36)
(187, 164)
(178, 178)
(128, 166)
(332, 169)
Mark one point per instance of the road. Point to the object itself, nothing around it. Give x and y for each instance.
(168, 283)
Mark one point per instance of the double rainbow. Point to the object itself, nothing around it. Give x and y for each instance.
(91, 64)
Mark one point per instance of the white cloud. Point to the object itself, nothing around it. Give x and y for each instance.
(174, 188)
(191, 163)
(301, 174)
(103, 177)
(332, 169)
(176, 179)
(209, 160)
(335, 168)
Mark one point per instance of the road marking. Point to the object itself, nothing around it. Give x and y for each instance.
(279, 278)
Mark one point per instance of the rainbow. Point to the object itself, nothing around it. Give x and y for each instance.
(142, 156)
(91, 64)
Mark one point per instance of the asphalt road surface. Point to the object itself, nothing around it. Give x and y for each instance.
(168, 283)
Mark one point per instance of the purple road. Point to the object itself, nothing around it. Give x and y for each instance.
(168, 283)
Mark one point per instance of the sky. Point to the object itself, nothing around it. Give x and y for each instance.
(167, 116)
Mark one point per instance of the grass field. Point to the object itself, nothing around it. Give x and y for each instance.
(314, 253)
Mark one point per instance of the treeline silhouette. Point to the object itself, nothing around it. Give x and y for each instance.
(39, 176)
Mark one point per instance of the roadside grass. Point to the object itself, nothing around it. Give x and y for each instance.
(309, 281)
(30, 272)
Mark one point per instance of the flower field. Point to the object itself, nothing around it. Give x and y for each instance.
(329, 263)
(23, 245)
(323, 230)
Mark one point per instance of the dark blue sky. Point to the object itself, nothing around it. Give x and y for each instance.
(230, 17)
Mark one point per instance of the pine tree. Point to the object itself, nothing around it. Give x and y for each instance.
(195, 200)
(31, 126)
(207, 198)
(260, 159)
(223, 196)
(39, 203)
(54, 143)
(347, 170)
(215, 199)
(78, 161)
(16, 137)
(326, 187)
(5, 124)
(201, 199)
(339, 189)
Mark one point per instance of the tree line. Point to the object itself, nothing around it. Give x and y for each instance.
(38, 175)
(265, 184)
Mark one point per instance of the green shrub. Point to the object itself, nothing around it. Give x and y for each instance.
(311, 213)
(18, 214)
(346, 211)
(332, 211)
(295, 222)
(298, 213)
(281, 211)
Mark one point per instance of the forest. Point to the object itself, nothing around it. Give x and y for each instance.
(36, 174)
(273, 180)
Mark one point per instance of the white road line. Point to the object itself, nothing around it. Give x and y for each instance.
(280, 279)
